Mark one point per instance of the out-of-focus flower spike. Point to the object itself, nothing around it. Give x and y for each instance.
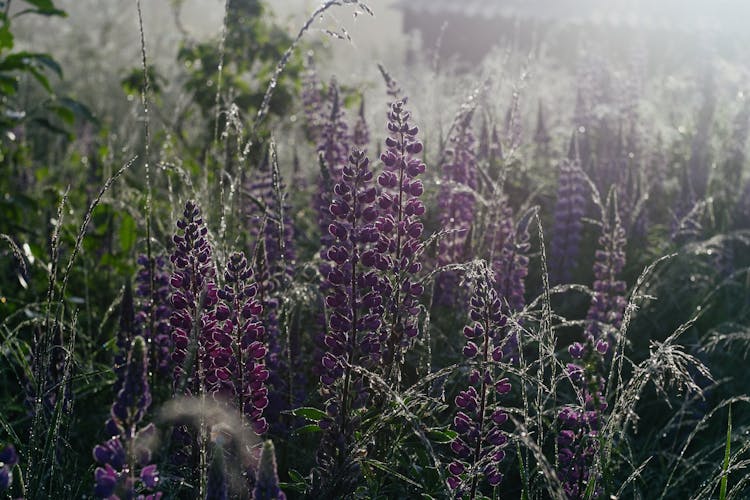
(456, 204)
(267, 483)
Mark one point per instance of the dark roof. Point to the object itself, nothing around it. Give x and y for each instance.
(657, 14)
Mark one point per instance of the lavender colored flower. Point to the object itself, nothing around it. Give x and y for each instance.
(235, 361)
(125, 458)
(608, 304)
(267, 482)
(400, 231)
(333, 150)
(193, 299)
(354, 336)
(154, 310)
(577, 440)
(480, 441)
(456, 204)
(354, 301)
(568, 224)
(577, 446)
(8, 460)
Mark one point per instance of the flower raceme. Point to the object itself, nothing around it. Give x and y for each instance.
(235, 360)
(354, 300)
(194, 298)
(154, 310)
(354, 334)
(568, 225)
(577, 440)
(480, 443)
(400, 228)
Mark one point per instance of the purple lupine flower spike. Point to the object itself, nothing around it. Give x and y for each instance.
(400, 231)
(236, 357)
(577, 440)
(568, 225)
(479, 446)
(8, 460)
(333, 150)
(456, 203)
(125, 458)
(608, 304)
(267, 483)
(354, 335)
(193, 299)
(154, 310)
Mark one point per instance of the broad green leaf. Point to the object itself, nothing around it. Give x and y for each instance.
(309, 413)
(442, 436)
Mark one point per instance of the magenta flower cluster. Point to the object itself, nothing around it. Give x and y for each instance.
(400, 228)
(194, 298)
(236, 353)
(479, 446)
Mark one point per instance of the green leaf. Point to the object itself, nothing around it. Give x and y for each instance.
(6, 37)
(299, 488)
(30, 60)
(64, 113)
(42, 12)
(307, 429)
(442, 436)
(309, 413)
(127, 233)
(8, 85)
(43, 7)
